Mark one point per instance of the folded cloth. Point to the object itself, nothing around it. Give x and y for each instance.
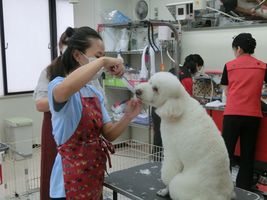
(216, 103)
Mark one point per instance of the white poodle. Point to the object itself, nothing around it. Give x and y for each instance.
(196, 164)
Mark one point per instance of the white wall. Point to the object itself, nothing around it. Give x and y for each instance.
(20, 106)
(215, 46)
(88, 12)
(163, 12)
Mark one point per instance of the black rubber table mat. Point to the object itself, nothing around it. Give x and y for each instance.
(143, 182)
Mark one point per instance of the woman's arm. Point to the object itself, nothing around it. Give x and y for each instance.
(42, 105)
(111, 131)
(82, 75)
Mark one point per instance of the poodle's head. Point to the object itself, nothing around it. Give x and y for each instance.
(163, 91)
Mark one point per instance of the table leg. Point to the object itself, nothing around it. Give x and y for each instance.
(115, 195)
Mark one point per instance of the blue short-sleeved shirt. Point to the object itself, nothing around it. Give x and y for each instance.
(64, 123)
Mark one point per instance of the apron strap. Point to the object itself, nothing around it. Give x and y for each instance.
(107, 147)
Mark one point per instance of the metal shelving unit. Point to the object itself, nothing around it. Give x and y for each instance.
(149, 24)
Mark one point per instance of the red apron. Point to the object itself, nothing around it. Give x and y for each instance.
(84, 155)
(48, 155)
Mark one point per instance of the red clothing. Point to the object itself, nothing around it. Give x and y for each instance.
(245, 80)
(48, 155)
(188, 85)
(84, 155)
(186, 79)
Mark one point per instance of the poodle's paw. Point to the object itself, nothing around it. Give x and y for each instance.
(163, 192)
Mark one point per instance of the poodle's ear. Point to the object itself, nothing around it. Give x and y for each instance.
(171, 109)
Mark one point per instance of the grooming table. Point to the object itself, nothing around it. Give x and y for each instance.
(143, 182)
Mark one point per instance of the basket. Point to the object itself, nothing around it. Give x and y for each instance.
(21, 178)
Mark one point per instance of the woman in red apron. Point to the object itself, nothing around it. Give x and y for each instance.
(80, 121)
(48, 145)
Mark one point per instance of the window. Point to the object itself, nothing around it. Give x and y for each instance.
(25, 40)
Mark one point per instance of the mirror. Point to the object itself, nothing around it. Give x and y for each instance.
(228, 13)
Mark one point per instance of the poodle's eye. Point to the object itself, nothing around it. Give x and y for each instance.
(155, 89)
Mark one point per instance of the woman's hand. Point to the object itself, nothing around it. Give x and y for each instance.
(134, 107)
(113, 65)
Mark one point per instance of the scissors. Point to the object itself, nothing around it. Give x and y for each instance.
(128, 84)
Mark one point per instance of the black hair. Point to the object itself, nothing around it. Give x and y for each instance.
(198, 59)
(78, 39)
(63, 40)
(246, 42)
(191, 62)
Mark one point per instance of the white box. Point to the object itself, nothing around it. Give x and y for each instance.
(18, 134)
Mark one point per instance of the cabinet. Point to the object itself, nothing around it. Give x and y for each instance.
(131, 47)
(116, 92)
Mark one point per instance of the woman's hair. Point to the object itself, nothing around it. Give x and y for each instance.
(246, 42)
(191, 62)
(198, 59)
(63, 40)
(77, 39)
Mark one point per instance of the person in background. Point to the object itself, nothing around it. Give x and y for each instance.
(81, 125)
(192, 64)
(243, 79)
(48, 145)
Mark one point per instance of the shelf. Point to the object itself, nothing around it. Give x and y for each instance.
(135, 125)
(136, 24)
(136, 52)
(116, 88)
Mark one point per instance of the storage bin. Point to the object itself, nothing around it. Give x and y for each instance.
(18, 135)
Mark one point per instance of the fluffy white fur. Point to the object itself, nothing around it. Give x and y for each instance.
(196, 164)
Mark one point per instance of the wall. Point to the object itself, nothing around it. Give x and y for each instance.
(160, 5)
(215, 46)
(88, 12)
(20, 106)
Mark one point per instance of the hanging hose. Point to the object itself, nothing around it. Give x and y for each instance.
(169, 56)
(152, 35)
(162, 67)
(151, 38)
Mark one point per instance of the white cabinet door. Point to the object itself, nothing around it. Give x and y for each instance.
(27, 38)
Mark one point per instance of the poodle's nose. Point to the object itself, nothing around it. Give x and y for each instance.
(138, 92)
